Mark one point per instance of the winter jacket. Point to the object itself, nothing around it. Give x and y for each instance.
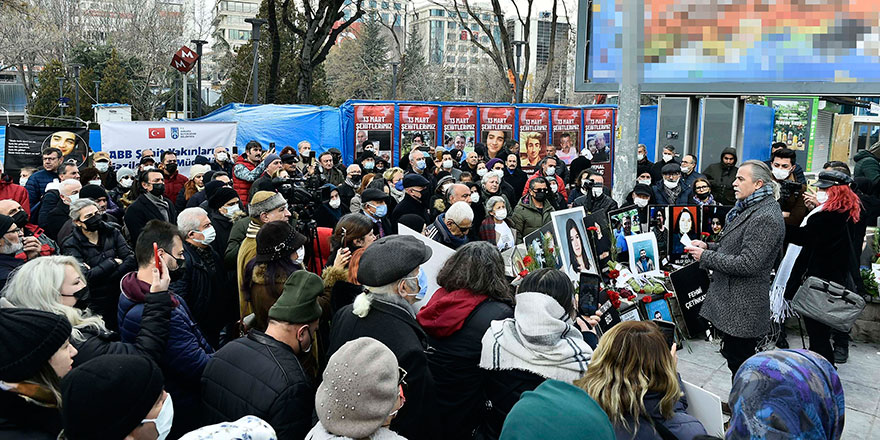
(644, 166)
(108, 179)
(263, 183)
(260, 376)
(438, 232)
(56, 220)
(151, 339)
(487, 230)
(50, 200)
(236, 236)
(516, 179)
(867, 166)
(527, 218)
(243, 175)
(560, 184)
(410, 205)
(24, 419)
(319, 432)
(685, 195)
(8, 263)
(223, 227)
(828, 251)
(103, 272)
(391, 321)
(186, 353)
(682, 425)
(141, 211)
(36, 186)
(503, 389)
(748, 247)
(261, 296)
(598, 205)
(195, 200)
(208, 292)
(222, 166)
(173, 184)
(721, 179)
(334, 176)
(13, 191)
(657, 169)
(455, 323)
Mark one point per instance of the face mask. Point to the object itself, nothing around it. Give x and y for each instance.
(311, 341)
(356, 178)
(551, 171)
(166, 416)
(541, 196)
(685, 170)
(667, 157)
(597, 191)
(475, 197)
(482, 172)
(423, 285)
(381, 211)
(102, 166)
(553, 187)
(22, 181)
(171, 168)
(641, 203)
(334, 203)
(641, 156)
(222, 157)
(177, 274)
(447, 164)
(125, 182)
(148, 168)
(369, 165)
(210, 234)
(20, 219)
(821, 197)
(95, 182)
(420, 164)
(669, 184)
(92, 224)
(300, 255)
(231, 210)
(82, 298)
(644, 181)
(780, 174)
(158, 189)
(73, 198)
(399, 185)
(501, 214)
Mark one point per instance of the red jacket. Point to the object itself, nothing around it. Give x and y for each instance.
(12, 191)
(173, 185)
(560, 185)
(242, 187)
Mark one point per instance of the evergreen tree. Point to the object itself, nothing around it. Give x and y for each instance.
(115, 86)
(45, 105)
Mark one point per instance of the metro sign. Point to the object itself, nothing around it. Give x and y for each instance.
(184, 59)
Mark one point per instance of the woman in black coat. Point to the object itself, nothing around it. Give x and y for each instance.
(105, 256)
(828, 250)
(473, 293)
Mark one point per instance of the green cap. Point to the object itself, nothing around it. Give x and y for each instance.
(298, 302)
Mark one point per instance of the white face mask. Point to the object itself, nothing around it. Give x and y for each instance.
(821, 197)
(685, 170)
(551, 171)
(73, 198)
(222, 157)
(102, 166)
(641, 156)
(300, 255)
(166, 416)
(780, 174)
(645, 181)
(501, 214)
(231, 210)
(641, 203)
(334, 203)
(481, 172)
(210, 234)
(95, 182)
(553, 187)
(447, 164)
(667, 157)
(22, 181)
(671, 184)
(126, 182)
(597, 191)
(475, 197)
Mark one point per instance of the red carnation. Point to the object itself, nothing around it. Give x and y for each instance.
(665, 274)
(616, 304)
(613, 274)
(523, 273)
(668, 295)
(647, 299)
(613, 296)
(705, 234)
(631, 297)
(641, 290)
(592, 228)
(527, 260)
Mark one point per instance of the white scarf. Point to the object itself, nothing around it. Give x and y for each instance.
(540, 339)
(319, 432)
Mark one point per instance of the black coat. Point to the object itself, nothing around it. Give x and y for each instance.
(103, 273)
(828, 251)
(8, 263)
(196, 199)
(150, 340)
(49, 201)
(21, 419)
(455, 366)
(56, 219)
(346, 193)
(410, 205)
(211, 297)
(503, 389)
(657, 168)
(260, 376)
(143, 210)
(222, 226)
(517, 179)
(392, 325)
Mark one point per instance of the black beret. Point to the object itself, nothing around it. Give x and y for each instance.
(643, 190)
(830, 178)
(372, 194)
(391, 258)
(671, 168)
(412, 179)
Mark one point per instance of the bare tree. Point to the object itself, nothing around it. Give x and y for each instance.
(318, 33)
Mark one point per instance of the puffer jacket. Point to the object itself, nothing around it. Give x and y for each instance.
(682, 425)
(527, 218)
(867, 166)
(721, 179)
(25, 419)
(36, 185)
(243, 176)
(261, 376)
(209, 294)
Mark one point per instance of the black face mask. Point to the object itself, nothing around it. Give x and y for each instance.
(703, 196)
(541, 196)
(82, 298)
(171, 168)
(93, 224)
(20, 219)
(177, 274)
(158, 189)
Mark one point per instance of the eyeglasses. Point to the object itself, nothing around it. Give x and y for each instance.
(17, 231)
(460, 228)
(401, 380)
(702, 187)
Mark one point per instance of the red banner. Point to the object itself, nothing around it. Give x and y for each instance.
(418, 127)
(534, 135)
(374, 123)
(496, 127)
(566, 133)
(599, 139)
(460, 127)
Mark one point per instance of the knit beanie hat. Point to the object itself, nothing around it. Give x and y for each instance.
(548, 411)
(202, 160)
(265, 201)
(491, 163)
(211, 187)
(359, 390)
(122, 388)
(124, 172)
(298, 301)
(195, 170)
(93, 192)
(5, 223)
(221, 196)
(277, 240)
(29, 339)
(269, 159)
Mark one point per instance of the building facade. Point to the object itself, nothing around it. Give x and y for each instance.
(540, 29)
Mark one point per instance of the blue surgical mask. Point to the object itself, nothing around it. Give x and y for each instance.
(369, 165)
(381, 211)
(399, 185)
(423, 285)
(420, 164)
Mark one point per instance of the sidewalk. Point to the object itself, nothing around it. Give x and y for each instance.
(860, 377)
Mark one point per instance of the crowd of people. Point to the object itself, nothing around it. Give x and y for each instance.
(124, 288)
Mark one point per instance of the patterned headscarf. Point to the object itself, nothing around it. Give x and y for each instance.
(786, 394)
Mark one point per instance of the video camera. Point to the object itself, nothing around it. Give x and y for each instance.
(302, 194)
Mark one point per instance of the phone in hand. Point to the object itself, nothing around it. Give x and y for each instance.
(156, 255)
(668, 330)
(272, 146)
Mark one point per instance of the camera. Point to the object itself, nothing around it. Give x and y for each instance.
(302, 194)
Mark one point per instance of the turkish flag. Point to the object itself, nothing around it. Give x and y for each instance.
(157, 133)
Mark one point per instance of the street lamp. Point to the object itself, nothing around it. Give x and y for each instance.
(61, 104)
(255, 37)
(199, 44)
(97, 83)
(518, 44)
(76, 67)
(394, 65)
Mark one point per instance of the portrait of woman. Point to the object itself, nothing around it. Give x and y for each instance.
(577, 260)
(684, 224)
(574, 248)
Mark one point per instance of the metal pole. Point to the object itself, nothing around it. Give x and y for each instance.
(185, 97)
(61, 103)
(394, 80)
(97, 83)
(76, 68)
(199, 44)
(176, 91)
(630, 92)
(255, 37)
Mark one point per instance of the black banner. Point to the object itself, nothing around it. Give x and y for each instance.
(691, 284)
(24, 145)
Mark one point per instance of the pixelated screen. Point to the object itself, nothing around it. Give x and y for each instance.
(766, 41)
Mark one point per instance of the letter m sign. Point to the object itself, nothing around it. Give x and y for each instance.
(184, 59)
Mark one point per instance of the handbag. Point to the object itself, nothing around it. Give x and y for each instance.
(828, 303)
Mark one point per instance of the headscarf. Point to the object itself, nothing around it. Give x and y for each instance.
(786, 394)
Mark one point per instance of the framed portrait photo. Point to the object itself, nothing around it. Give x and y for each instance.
(658, 309)
(574, 244)
(644, 257)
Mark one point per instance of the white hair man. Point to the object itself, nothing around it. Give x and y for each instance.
(68, 190)
(451, 228)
